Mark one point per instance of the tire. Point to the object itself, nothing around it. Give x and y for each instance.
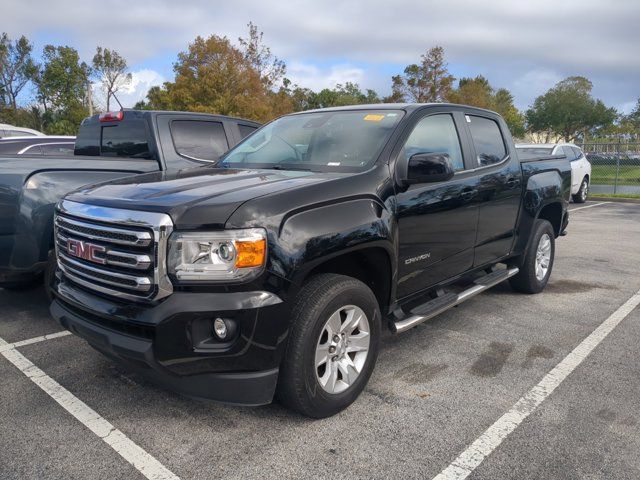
(318, 388)
(531, 278)
(581, 196)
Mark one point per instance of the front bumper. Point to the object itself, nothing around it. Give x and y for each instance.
(167, 343)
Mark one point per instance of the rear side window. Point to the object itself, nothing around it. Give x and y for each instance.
(436, 134)
(569, 153)
(487, 140)
(128, 139)
(199, 140)
(61, 149)
(577, 151)
(246, 130)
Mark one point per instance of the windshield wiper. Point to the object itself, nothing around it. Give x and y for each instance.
(287, 167)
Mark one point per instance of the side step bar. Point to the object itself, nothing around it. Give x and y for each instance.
(449, 300)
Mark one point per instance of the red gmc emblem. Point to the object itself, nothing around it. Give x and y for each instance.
(85, 250)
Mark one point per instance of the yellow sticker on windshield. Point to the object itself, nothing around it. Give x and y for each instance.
(373, 118)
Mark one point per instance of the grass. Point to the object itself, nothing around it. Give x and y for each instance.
(615, 195)
(606, 175)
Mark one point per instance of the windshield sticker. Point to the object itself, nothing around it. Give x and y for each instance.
(373, 118)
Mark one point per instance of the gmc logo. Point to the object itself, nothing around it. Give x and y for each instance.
(86, 251)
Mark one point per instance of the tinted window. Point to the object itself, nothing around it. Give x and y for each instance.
(199, 140)
(532, 151)
(436, 134)
(33, 150)
(487, 140)
(128, 139)
(569, 153)
(64, 149)
(577, 152)
(246, 130)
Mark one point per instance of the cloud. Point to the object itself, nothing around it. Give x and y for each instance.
(317, 78)
(504, 40)
(136, 90)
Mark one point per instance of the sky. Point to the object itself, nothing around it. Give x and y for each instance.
(524, 46)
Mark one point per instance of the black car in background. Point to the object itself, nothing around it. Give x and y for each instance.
(45, 145)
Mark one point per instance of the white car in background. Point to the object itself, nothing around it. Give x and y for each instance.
(580, 166)
(7, 130)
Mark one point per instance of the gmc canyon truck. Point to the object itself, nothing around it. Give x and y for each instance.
(274, 271)
(108, 146)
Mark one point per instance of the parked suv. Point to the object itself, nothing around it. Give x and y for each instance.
(580, 166)
(275, 270)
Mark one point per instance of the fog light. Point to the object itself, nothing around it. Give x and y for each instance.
(220, 328)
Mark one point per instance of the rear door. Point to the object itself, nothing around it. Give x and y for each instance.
(436, 221)
(499, 186)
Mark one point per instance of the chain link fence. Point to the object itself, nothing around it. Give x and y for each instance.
(615, 167)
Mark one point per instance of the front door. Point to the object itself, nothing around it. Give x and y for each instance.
(436, 221)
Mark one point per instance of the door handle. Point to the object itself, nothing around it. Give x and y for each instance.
(512, 182)
(468, 193)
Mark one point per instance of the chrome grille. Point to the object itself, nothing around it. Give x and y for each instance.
(116, 252)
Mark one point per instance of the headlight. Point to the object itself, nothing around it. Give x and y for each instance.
(217, 256)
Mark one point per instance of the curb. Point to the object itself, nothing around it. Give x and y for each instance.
(614, 199)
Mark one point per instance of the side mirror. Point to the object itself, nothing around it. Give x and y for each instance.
(429, 167)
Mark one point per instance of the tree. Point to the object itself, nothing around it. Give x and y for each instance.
(428, 81)
(60, 85)
(216, 77)
(271, 69)
(569, 111)
(111, 69)
(478, 92)
(16, 68)
(340, 95)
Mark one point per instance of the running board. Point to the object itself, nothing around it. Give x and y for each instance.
(449, 300)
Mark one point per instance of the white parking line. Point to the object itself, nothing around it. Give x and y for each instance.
(475, 453)
(22, 343)
(588, 206)
(132, 453)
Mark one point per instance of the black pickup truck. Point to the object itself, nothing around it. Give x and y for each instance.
(274, 271)
(108, 146)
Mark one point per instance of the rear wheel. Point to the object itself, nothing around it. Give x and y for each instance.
(538, 262)
(581, 196)
(333, 346)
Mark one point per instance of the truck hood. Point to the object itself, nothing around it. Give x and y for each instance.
(195, 198)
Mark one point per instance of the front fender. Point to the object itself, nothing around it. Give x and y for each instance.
(314, 235)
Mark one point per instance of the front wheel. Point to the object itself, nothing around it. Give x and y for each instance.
(581, 196)
(333, 346)
(538, 262)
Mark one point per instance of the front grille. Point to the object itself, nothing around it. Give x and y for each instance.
(114, 252)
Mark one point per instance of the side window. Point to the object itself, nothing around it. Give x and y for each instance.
(199, 140)
(246, 130)
(487, 140)
(577, 151)
(62, 149)
(569, 153)
(33, 150)
(436, 134)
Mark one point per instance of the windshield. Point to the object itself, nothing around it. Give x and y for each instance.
(332, 141)
(535, 150)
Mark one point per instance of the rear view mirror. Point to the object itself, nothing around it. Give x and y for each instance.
(429, 167)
